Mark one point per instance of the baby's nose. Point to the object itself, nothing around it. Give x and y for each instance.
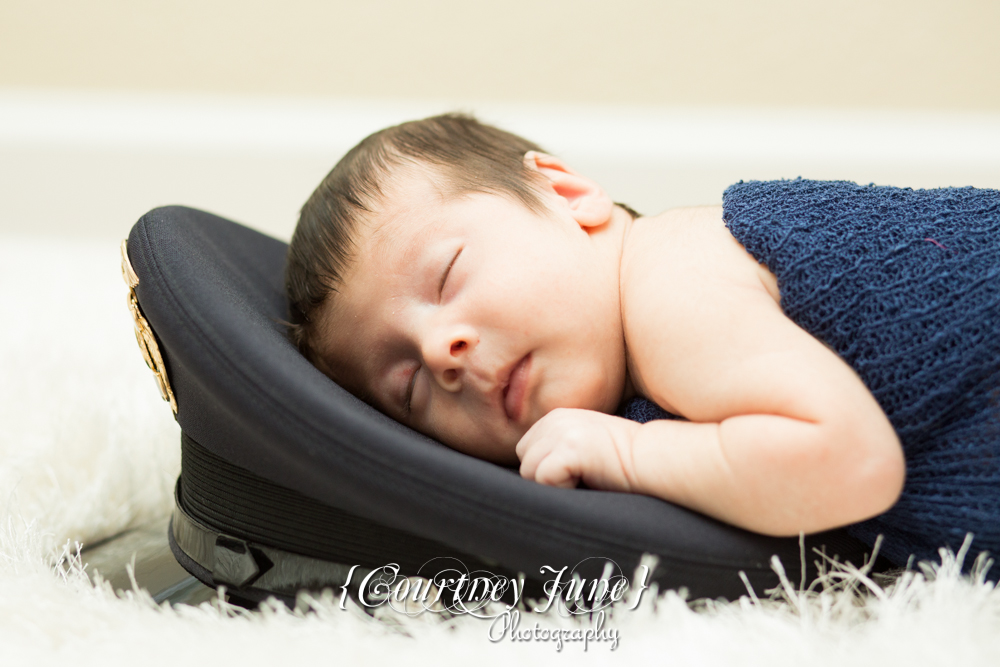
(446, 355)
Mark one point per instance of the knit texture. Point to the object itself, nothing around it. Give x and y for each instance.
(905, 286)
(640, 410)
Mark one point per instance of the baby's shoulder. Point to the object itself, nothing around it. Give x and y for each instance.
(707, 339)
(686, 286)
(685, 251)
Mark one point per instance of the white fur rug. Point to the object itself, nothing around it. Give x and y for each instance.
(88, 449)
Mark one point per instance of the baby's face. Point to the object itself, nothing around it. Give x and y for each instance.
(470, 318)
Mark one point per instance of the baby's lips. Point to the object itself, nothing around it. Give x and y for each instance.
(517, 388)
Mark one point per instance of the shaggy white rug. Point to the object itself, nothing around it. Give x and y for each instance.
(87, 449)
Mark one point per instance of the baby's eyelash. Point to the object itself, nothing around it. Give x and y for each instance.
(447, 271)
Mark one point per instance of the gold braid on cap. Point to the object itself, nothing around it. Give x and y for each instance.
(144, 333)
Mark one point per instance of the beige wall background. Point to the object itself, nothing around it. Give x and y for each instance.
(927, 54)
(109, 108)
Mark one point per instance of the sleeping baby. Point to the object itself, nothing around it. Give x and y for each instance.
(826, 354)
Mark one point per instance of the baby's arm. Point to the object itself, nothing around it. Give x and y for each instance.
(788, 449)
(784, 437)
(764, 473)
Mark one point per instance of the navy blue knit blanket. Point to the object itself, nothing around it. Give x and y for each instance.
(905, 286)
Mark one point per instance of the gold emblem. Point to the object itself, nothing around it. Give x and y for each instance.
(144, 333)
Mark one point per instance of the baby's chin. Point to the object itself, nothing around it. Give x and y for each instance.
(599, 397)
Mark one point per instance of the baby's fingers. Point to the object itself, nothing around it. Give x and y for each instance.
(531, 451)
(533, 447)
(546, 460)
(560, 468)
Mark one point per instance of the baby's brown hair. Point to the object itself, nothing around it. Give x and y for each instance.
(471, 156)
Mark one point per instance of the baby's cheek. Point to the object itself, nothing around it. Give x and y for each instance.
(470, 433)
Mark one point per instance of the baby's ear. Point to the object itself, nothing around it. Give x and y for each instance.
(587, 201)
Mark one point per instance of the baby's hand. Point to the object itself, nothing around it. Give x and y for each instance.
(569, 445)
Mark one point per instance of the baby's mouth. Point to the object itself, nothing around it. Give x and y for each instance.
(515, 388)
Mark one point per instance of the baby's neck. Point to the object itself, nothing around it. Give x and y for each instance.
(619, 227)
